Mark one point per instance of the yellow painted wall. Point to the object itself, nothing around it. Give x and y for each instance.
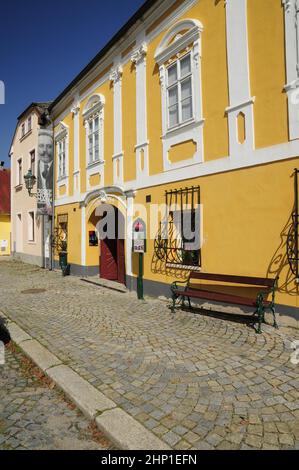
(241, 128)
(74, 231)
(182, 151)
(245, 226)
(214, 86)
(95, 180)
(214, 77)
(244, 229)
(92, 252)
(62, 190)
(267, 71)
(5, 233)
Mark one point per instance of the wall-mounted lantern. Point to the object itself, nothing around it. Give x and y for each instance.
(30, 181)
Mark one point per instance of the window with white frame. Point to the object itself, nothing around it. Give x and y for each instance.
(23, 130)
(19, 172)
(94, 140)
(62, 148)
(93, 116)
(31, 227)
(32, 162)
(178, 56)
(61, 158)
(29, 123)
(179, 92)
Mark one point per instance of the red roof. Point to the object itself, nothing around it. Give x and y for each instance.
(4, 191)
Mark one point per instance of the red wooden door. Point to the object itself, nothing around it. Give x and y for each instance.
(112, 261)
(109, 265)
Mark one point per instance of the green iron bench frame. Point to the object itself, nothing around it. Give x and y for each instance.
(260, 302)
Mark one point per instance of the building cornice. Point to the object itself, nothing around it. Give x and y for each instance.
(108, 54)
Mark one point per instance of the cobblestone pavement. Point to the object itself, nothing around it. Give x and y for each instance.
(34, 416)
(195, 381)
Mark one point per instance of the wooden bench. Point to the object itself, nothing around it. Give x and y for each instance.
(258, 300)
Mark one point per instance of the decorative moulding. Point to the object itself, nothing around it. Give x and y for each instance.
(235, 107)
(287, 4)
(139, 54)
(94, 106)
(165, 50)
(62, 131)
(116, 74)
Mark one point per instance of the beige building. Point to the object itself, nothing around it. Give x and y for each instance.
(30, 232)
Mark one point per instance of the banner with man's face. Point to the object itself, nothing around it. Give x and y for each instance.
(45, 172)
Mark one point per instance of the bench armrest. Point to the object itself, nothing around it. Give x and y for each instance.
(174, 285)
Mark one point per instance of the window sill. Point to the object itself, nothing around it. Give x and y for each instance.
(192, 123)
(183, 267)
(25, 135)
(96, 163)
(62, 179)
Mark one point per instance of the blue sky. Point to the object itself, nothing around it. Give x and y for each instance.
(43, 45)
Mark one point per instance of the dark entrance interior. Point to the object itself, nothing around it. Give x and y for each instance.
(112, 255)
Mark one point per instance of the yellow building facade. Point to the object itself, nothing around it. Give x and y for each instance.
(5, 220)
(5, 233)
(193, 101)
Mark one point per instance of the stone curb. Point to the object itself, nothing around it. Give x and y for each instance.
(121, 428)
(88, 399)
(128, 433)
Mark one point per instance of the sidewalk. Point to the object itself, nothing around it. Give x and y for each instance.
(189, 381)
(33, 416)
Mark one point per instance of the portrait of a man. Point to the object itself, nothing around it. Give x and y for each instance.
(45, 170)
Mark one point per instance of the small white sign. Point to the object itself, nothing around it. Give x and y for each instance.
(139, 246)
(4, 243)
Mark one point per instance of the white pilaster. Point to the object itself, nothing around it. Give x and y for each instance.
(116, 78)
(129, 228)
(83, 236)
(142, 146)
(76, 173)
(238, 77)
(291, 9)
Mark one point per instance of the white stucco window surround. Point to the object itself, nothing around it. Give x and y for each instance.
(62, 155)
(93, 116)
(291, 13)
(179, 59)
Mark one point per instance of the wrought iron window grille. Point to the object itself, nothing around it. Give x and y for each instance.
(60, 235)
(178, 239)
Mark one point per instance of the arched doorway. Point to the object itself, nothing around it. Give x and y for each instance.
(112, 251)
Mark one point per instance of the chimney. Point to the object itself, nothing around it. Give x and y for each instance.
(1, 166)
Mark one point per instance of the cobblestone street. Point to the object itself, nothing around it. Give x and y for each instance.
(195, 381)
(33, 416)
